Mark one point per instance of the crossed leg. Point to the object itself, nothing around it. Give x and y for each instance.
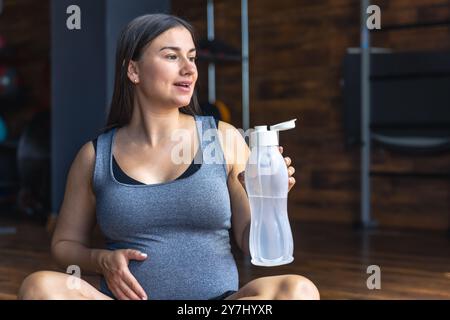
(282, 287)
(51, 285)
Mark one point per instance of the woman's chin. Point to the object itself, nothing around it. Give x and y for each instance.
(182, 102)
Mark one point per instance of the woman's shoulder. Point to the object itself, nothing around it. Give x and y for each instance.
(233, 144)
(82, 167)
(85, 157)
(226, 128)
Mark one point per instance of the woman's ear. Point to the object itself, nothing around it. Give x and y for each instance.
(133, 72)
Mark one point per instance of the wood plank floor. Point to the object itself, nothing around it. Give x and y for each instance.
(414, 265)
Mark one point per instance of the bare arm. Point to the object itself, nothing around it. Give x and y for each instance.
(236, 154)
(76, 220)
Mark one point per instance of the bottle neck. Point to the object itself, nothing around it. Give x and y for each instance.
(263, 138)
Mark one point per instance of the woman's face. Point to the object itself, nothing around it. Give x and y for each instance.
(166, 72)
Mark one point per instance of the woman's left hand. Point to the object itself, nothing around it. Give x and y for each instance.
(291, 171)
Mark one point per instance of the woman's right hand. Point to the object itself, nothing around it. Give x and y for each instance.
(114, 267)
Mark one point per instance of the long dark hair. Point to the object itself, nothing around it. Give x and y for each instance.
(134, 37)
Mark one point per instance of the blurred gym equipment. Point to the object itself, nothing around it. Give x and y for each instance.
(33, 164)
(219, 110)
(409, 102)
(9, 82)
(9, 180)
(3, 130)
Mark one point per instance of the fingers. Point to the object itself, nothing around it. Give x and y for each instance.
(291, 171)
(288, 161)
(135, 255)
(121, 282)
(291, 183)
(134, 286)
(130, 295)
(117, 291)
(126, 288)
(131, 286)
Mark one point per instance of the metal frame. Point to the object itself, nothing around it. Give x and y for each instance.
(366, 216)
(211, 65)
(244, 56)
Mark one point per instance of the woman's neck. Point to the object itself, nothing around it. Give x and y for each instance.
(153, 127)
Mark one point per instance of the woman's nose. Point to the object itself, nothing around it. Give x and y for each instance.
(188, 68)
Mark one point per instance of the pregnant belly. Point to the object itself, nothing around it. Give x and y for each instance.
(185, 271)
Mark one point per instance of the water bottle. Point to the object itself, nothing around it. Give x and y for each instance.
(266, 181)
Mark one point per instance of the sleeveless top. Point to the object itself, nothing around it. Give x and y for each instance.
(123, 177)
(182, 225)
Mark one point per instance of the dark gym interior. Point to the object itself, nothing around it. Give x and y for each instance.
(368, 192)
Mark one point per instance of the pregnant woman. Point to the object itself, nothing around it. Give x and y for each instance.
(165, 218)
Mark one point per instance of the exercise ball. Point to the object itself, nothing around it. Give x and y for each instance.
(3, 130)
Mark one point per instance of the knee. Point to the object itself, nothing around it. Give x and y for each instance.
(295, 287)
(36, 286)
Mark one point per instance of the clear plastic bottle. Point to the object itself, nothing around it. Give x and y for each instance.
(266, 181)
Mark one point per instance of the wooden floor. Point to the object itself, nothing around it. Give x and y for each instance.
(414, 265)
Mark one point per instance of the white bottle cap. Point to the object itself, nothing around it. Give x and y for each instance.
(262, 137)
(263, 128)
(284, 125)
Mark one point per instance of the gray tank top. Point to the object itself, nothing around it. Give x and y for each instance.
(183, 225)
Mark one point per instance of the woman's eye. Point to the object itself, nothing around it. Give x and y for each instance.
(174, 57)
